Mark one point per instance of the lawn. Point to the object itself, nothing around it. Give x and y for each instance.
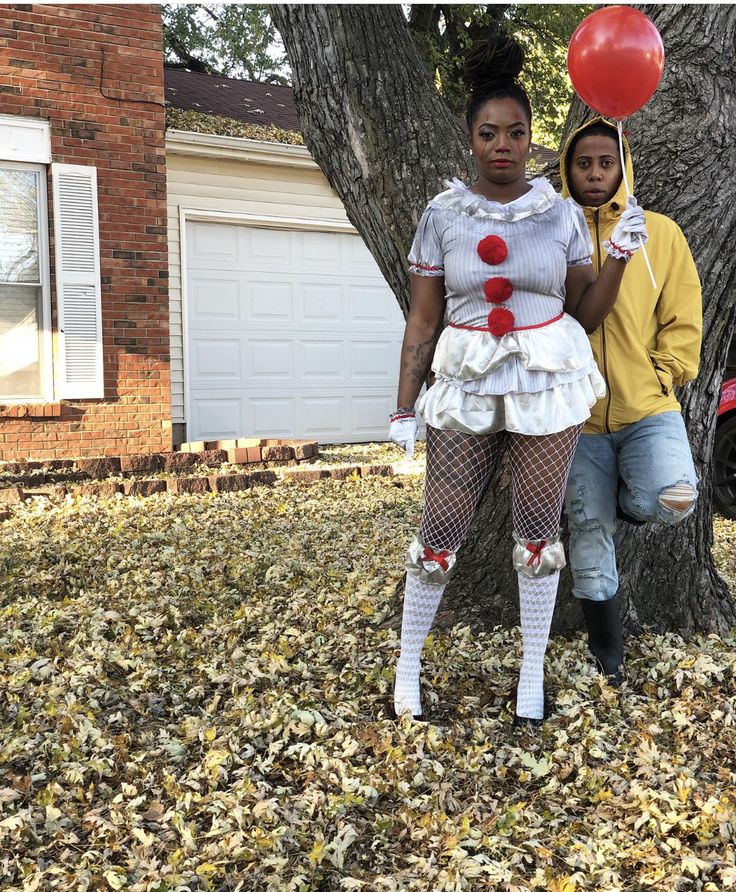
(193, 696)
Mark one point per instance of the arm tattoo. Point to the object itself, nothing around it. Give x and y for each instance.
(417, 358)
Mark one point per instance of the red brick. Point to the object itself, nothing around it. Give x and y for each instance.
(141, 464)
(105, 490)
(306, 475)
(376, 471)
(229, 482)
(213, 456)
(177, 461)
(344, 472)
(190, 485)
(192, 446)
(265, 477)
(143, 487)
(305, 450)
(277, 453)
(244, 456)
(247, 442)
(99, 467)
(12, 495)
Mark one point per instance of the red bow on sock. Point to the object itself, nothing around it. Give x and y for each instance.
(439, 557)
(536, 551)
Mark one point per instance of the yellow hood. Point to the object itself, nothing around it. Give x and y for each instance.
(618, 202)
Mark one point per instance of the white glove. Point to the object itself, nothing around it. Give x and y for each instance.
(629, 234)
(403, 431)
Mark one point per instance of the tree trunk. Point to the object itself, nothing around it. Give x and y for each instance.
(385, 140)
(373, 122)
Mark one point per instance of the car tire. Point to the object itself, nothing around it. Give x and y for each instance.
(724, 468)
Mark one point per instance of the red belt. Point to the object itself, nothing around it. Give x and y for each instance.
(520, 328)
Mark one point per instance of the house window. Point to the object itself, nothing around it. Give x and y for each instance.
(25, 342)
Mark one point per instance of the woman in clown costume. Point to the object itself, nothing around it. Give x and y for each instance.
(506, 264)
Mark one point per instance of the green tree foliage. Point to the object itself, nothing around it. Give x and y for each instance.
(444, 32)
(233, 40)
(240, 40)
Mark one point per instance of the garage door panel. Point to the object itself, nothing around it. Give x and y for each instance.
(372, 360)
(317, 251)
(370, 414)
(213, 241)
(316, 331)
(272, 416)
(322, 302)
(322, 360)
(368, 306)
(325, 416)
(271, 359)
(217, 359)
(214, 300)
(217, 418)
(269, 300)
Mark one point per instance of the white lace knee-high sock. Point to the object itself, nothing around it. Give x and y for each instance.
(421, 600)
(537, 603)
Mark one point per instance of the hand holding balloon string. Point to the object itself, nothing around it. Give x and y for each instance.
(641, 238)
(615, 60)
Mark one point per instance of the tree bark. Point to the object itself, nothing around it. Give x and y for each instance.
(385, 140)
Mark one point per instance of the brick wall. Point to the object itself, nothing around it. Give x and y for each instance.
(96, 74)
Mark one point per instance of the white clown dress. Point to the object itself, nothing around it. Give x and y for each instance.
(509, 358)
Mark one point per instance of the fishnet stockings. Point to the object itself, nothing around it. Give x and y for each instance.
(459, 467)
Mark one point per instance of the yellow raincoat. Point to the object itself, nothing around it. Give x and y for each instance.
(651, 338)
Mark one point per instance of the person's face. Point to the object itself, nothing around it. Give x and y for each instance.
(500, 140)
(595, 170)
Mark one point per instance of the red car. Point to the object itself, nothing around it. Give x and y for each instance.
(724, 448)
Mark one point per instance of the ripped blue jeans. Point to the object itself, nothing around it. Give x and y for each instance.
(642, 466)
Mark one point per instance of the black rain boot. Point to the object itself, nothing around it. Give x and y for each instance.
(605, 637)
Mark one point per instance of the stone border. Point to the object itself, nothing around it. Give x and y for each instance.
(213, 483)
(256, 453)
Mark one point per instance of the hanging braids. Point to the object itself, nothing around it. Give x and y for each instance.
(492, 68)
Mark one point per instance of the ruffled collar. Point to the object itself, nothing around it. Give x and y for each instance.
(458, 197)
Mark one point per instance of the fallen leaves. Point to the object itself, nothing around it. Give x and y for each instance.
(193, 698)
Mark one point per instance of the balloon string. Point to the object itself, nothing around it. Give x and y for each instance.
(628, 193)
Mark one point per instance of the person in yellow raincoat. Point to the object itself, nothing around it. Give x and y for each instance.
(633, 460)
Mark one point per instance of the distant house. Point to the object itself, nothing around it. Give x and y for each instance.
(84, 329)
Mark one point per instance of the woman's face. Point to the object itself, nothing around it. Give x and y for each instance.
(500, 141)
(595, 170)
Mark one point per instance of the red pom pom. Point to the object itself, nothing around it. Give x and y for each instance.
(500, 321)
(492, 249)
(498, 289)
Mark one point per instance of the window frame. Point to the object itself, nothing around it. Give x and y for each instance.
(45, 322)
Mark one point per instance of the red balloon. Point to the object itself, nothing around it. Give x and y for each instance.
(615, 60)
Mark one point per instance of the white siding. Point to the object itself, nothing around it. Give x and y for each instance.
(230, 186)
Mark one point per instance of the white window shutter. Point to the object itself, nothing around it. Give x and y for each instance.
(78, 288)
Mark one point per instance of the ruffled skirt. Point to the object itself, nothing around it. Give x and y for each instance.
(535, 381)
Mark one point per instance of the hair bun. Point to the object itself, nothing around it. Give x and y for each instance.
(493, 62)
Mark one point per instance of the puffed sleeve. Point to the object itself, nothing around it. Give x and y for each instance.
(580, 246)
(426, 257)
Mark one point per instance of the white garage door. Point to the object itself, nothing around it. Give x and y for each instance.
(289, 334)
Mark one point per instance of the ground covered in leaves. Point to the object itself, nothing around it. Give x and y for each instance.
(193, 696)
